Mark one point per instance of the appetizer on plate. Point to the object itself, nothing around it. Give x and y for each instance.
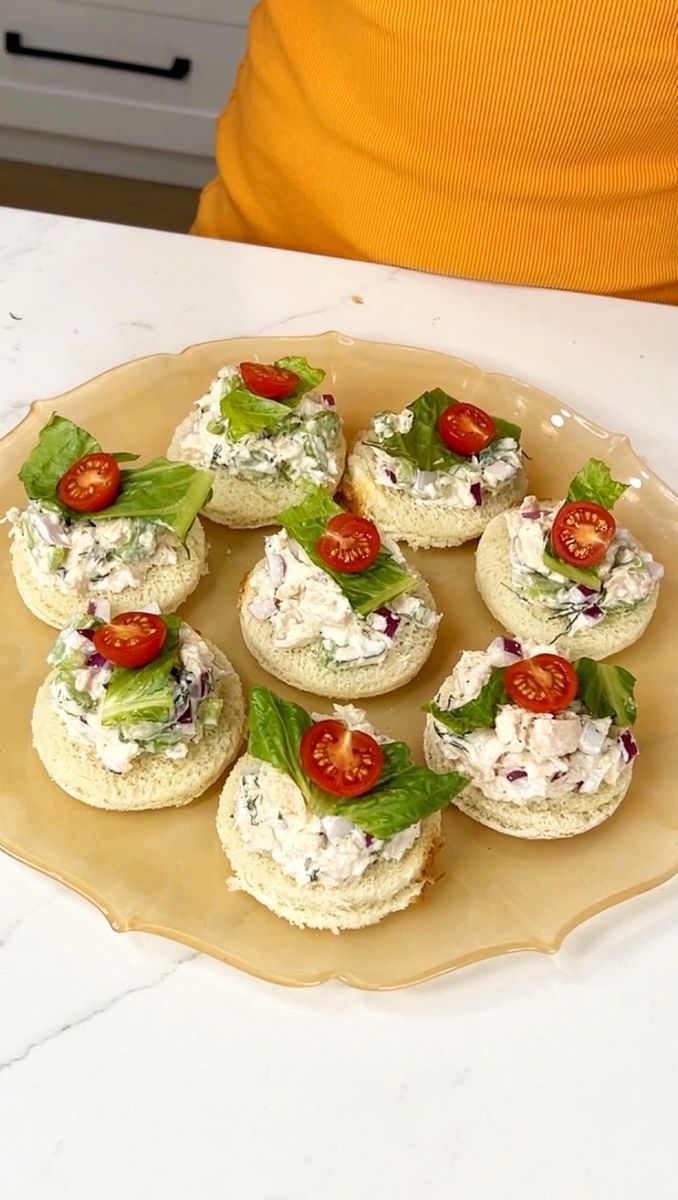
(326, 822)
(436, 473)
(138, 711)
(93, 530)
(565, 572)
(267, 433)
(333, 608)
(545, 742)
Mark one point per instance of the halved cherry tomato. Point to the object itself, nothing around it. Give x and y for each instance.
(131, 639)
(546, 683)
(582, 532)
(349, 543)
(90, 484)
(273, 383)
(343, 761)
(465, 428)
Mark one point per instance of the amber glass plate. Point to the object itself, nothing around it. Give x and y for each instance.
(165, 872)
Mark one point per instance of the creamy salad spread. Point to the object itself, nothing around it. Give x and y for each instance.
(82, 677)
(526, 755)
(90, 555)
(464, 485)
(304, 604)
(302, 446)
(628, 573)
(273, 819)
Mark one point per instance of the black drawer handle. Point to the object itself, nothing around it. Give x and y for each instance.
(179, 69)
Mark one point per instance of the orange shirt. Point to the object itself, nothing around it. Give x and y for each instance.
(527, 141)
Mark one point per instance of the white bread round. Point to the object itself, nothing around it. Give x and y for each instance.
(246, 503)
(167, 586)
(529, 619)
(561, 817)
(303, 667)
(152, 781)
(423, 524)
(385, 887)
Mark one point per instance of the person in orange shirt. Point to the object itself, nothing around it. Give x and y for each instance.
(522, 141)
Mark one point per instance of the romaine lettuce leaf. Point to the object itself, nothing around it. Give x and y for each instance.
(60, 444)
(171, 493)
(248, 413)
(309, 377)
(594, 482)
(403, 795)
(422, 445)
(478, 713)
(144, 694)
(409, 797)
(365, 590)
(606, 691)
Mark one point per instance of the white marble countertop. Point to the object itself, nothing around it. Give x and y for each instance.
(132, 1067)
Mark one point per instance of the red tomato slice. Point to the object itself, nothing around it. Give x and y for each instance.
(344, 762)
(131, 639)
(546, 683)
(349, 543)
(582, 532)
(466, 429)
(274, 383)
(90, 484)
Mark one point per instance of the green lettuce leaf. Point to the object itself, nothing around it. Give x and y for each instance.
(247, 413)
(275, 729)
(409, 797)
(595, 483)
(606, 691)
(171, 493)
(403, 795)
(506, 429)
(478, 713)
(60, 444)
(422, 445)
(135, 696)
(309, 377)
(365, 590)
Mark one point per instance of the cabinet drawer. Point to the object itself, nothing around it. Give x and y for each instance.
(172, 76)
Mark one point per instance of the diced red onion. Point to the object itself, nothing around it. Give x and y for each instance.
(511, 646)
(514, 776)
(391, 475)
(533, 515)
(368, 839)
(593, 613)
(186, 717)
(392, 621)
(585, 591)
(328, 400)
(97, 660)
(477, 493)
(627, 745)
(87, 633)
(558, 775)
(499, 471)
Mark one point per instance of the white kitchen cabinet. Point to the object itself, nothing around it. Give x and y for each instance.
(133, 88)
